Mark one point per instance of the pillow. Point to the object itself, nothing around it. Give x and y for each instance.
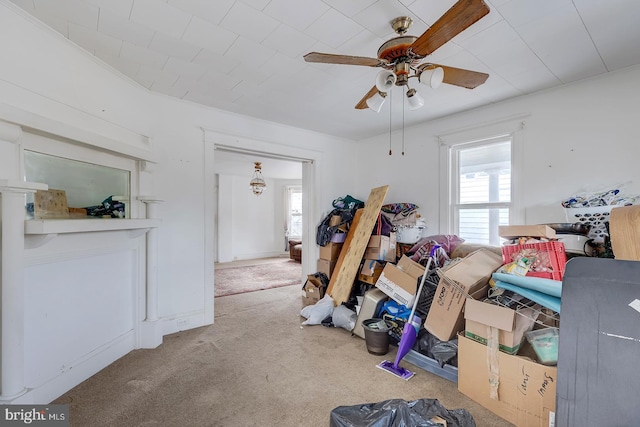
(449, 243)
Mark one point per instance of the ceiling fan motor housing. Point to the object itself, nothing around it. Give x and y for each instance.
(396, 48)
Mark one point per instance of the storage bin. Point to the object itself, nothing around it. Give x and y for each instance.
(551, 254)
(595, 216)
(545, 343)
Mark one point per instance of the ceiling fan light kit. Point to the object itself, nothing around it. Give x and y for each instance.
(414, 99)
(432, 77)
(385, 80)
(401, 56)
(376, 101)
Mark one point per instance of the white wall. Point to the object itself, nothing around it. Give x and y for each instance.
(583, 136)
(46, 79)
(254, 225)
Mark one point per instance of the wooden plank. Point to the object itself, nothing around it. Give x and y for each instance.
(624, 229)
(355, 245)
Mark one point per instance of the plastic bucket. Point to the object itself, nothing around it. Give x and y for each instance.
(376, 336)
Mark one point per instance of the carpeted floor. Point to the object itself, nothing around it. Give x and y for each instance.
(263, 275)
(256, 366)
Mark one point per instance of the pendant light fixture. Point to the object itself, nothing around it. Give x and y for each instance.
(257, 183)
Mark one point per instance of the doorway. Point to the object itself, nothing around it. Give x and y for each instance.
(228, 160)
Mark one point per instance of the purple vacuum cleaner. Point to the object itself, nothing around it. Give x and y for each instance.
(409, 333)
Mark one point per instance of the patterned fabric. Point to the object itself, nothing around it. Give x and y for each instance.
(399, 208)
(421, 250)
(348, 202)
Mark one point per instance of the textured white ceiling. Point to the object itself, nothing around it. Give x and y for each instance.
(246, 56)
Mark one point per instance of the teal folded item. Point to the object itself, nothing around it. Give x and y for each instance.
(545, 300)
(547, 286)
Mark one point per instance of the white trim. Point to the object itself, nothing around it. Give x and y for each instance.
(209, 179)
(311, 166)
(488, 130)
(130, 144)
(81, 369)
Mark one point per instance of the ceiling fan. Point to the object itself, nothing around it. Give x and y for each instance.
(400, 57)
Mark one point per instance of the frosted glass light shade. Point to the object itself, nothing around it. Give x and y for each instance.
(375, 102)
(414, 99)
(432, 77)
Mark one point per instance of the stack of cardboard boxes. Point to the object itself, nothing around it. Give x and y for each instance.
(514, 386)
(380, 250)
(504, 377)
(331, 251)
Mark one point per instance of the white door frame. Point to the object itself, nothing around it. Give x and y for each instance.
(309, 160)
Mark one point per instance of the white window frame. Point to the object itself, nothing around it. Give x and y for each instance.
(289, 190)
(449, 142)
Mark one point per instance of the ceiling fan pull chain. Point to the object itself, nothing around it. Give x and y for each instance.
(390, 105)
(403, 125)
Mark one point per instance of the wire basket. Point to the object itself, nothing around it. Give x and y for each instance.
(428, 291)
(596, 217)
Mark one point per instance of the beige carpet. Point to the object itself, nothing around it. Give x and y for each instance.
(257, 275)
(256, 366)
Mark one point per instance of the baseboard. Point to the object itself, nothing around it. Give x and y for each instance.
(260, 255)
(185, 322)
(78, 372)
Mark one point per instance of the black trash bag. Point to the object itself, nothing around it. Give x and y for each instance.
(444, 352)
(399, 413)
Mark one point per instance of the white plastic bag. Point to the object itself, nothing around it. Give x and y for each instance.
(344, 317)
(316, 313)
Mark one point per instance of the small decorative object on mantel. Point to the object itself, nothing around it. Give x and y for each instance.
(109, 208)
(50, 204)
(257, 183)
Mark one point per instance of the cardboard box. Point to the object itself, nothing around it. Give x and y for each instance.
(370, 267)
(312, 291)
(326, 266)
(515, 231)
(468, 277)
(330, 251)
(381, 248)
(526, 390)
(370, 271)
(400, 282)
(512, 325)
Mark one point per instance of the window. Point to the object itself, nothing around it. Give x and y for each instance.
(478, 190)
(482, 193)
(293, 211)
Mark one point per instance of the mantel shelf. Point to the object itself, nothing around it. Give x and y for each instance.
(85, 225)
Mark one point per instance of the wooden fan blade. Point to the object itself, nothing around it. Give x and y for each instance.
(461, 16)
(459, 76)
(363, 102)
(329, 58)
